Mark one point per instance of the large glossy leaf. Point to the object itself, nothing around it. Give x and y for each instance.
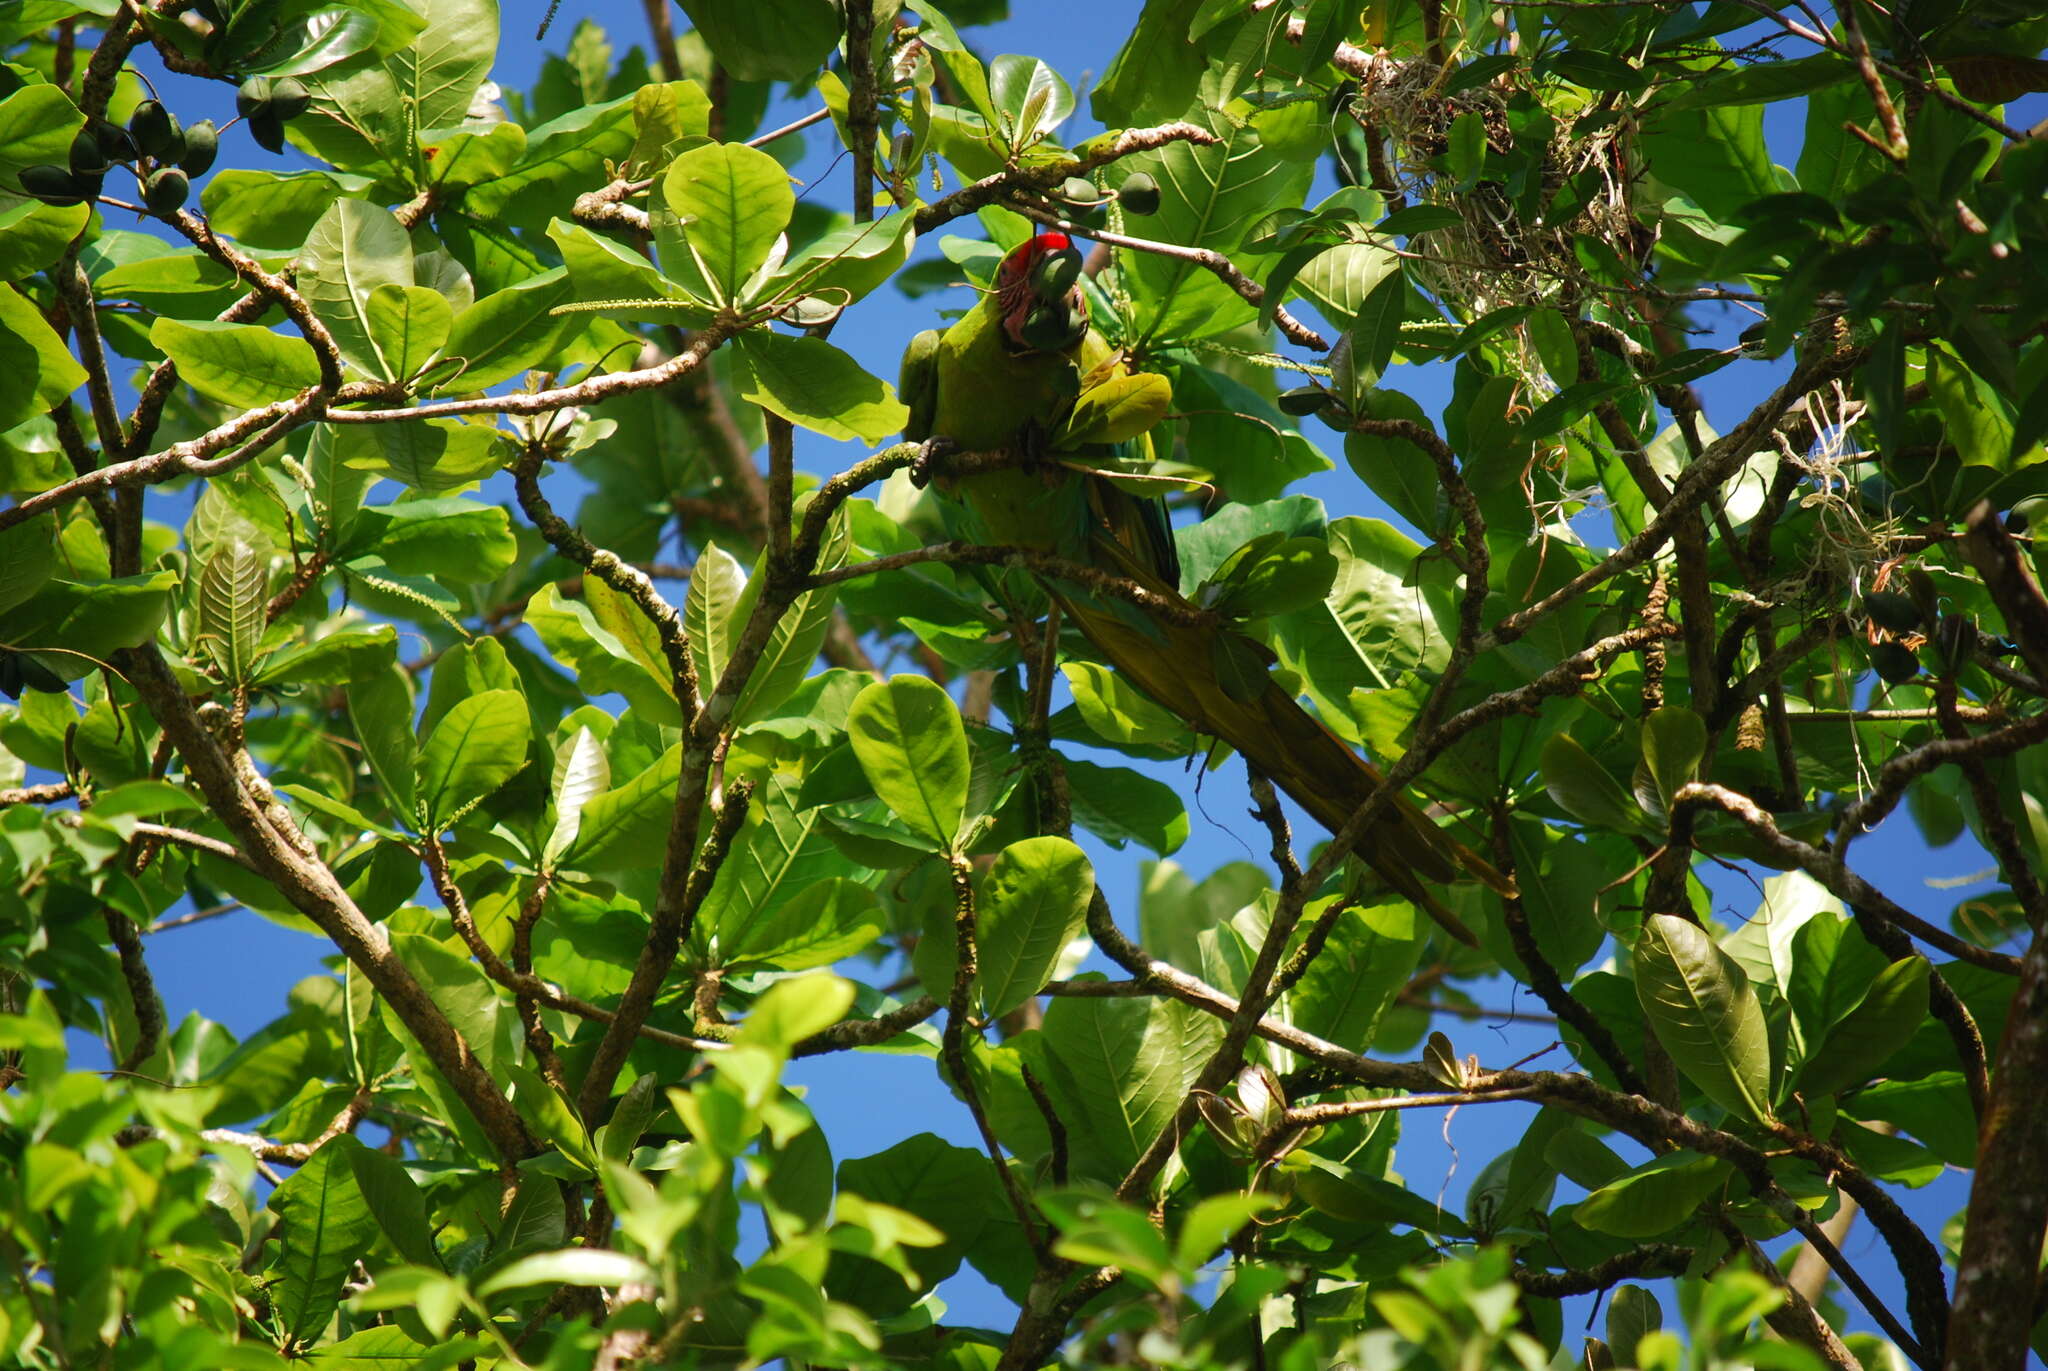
(582, 771)
(354, 249)
(367, 112)
(600, 660)
(733, 202)
(477, 747)
(755, 42)
(1117, 1070)
(1209, 196)
(1858, 1046)
(1368, 958)
(1030, 906)
(1701, 1007)
(241, 365)
(781, 898)
(815, 386)
(231, 604)
(712, 611)
(908, 736)
(324, 1225)
(509, 330)
(1656, 1197)
(36, 369)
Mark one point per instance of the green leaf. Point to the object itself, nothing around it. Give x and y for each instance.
(815, 386)
(354, 249)
(407, 325)
(1117, 1070)
(711, 611)
(911, 743)
(1674, 741)
(1370, 954)
(380, 707)
(323, 1226)
(89, 622)
(1377, 326)
(1631, 1313)
(367, 112)
(510, 331)
(231, 609)
(1656, 1197)
(581, 772)
(1858, 1046)
(1029, 99)
(599, 659)
(786, 41)
(1585, 789)
(1031, 904)
(1119, 805)
(34, 235)
(470, 158)
(1119, 712)
(1358, 1198)
(243, 366)
(394, 1201)
(270, 210)
(623, 825)
(583, 1266)
(1702, 1009)
(425, 454)
(36, 369)
(551, 1115)
(28, 559)
(780, 898)
(477, 747)
(817, 926)
(733, 201)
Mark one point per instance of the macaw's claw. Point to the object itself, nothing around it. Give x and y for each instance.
(931, 454)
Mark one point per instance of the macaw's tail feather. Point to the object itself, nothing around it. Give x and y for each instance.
(1285, 743)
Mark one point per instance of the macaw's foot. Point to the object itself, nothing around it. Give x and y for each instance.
(931, 456)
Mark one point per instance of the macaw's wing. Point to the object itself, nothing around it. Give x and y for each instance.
(917, 385)
(1114, 409)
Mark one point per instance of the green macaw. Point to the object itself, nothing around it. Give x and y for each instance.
(1023, 368)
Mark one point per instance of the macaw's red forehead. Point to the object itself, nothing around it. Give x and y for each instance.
(1031, 249)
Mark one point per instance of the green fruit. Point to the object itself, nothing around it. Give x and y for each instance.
(289, 97)
(1054, 274)
(87, 157)
(202, 144)
(1139, 194)
(900, 148)
(1052, 329)
(254, 95)
(155, 130)
(166, 191)
(1080, 190)
(1894, 663)
(1303, 401)
(267, 129)
(53, 185)
(114, 141)
(1889, 609)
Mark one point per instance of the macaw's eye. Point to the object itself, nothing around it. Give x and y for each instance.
(1054, 274)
